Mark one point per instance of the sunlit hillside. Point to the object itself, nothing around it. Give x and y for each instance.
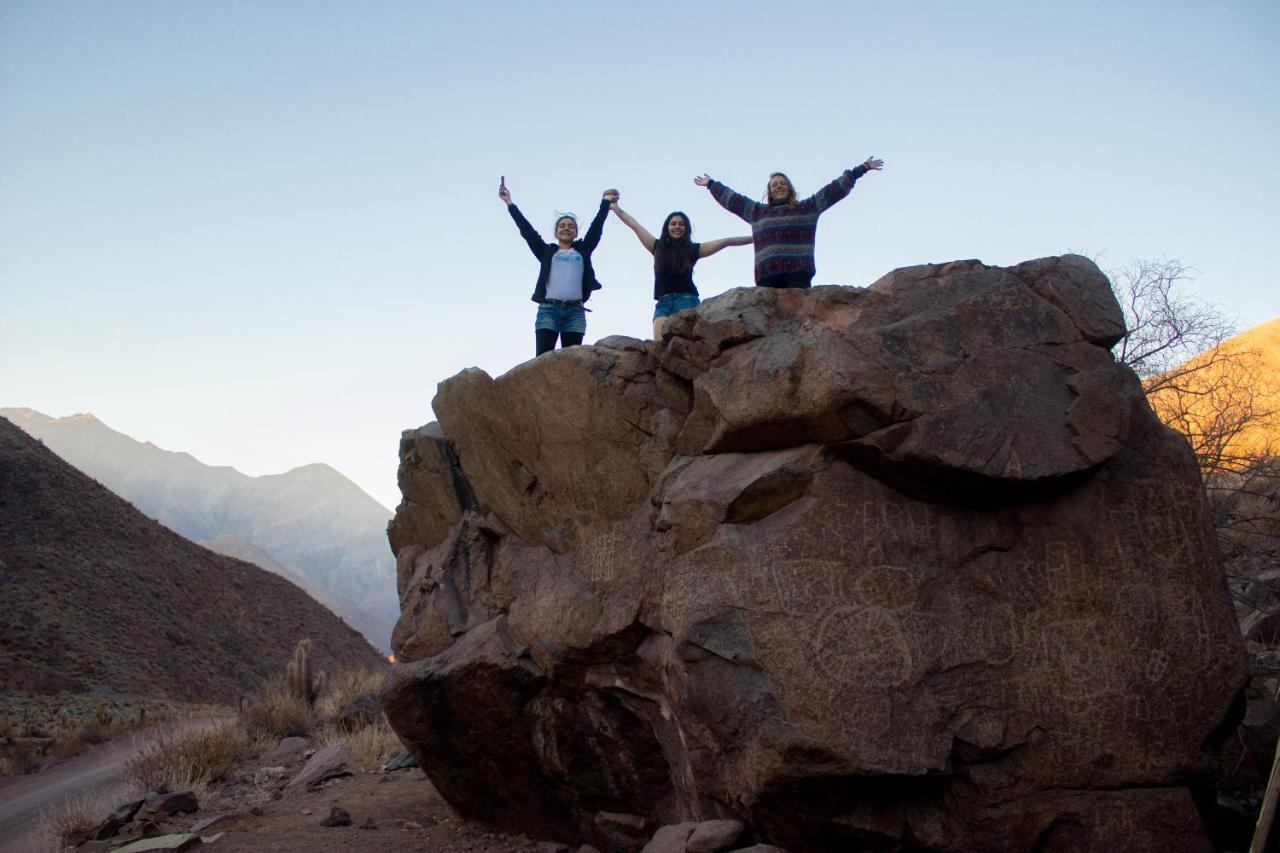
(1226, 400)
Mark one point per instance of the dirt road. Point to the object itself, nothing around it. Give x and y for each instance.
(23, 799)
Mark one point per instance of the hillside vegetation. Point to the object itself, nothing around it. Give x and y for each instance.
(99, 598)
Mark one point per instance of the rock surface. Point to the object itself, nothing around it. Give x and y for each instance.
(168, 804)
(332, 762)
(337, 816)
(177, 842)
(120, 816)
(289, 746)
(911, 564)
(361, 710)
(712, 836)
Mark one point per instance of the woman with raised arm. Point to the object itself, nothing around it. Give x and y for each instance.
(565, 275)
(784, 227)
(674, 255)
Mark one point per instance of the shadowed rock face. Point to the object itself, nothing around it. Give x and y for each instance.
(905, 565)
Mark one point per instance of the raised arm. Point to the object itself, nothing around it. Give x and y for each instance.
(712, 246)
(841, 186)
(736, 203)
(596, 229)
(531, 237)
(646, 239)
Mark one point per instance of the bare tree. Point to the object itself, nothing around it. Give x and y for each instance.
(1165, 326)
(1216, 396)
(1225, 403)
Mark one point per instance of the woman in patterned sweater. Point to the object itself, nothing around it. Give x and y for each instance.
(783, 227)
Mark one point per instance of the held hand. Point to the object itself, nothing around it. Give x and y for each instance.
(873, 165)
(702, 180)
(612, 195)
(504, 193)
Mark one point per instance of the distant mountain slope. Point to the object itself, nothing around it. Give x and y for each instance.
(311, 520)
(1225, 402)
(98, 596)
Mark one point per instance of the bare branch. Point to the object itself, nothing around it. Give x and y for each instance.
(1226, 404)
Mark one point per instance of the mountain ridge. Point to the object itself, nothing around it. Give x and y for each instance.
(310, 519)
(100, 597)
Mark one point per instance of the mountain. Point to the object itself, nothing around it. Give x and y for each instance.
(99, 597)
(311, 520)
(1226, 398)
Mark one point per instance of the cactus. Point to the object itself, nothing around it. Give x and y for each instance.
(302, 682)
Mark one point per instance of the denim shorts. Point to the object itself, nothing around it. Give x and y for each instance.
(674, 303)
(562, 318)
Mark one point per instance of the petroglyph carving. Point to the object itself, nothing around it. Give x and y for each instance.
(1046, 631)
(601, 551)
(862, 645)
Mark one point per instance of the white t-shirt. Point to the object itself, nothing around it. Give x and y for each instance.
(565, 281)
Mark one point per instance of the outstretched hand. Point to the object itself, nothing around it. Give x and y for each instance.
(503, 192)
(612, 196)
(702, 180)
(873, 165)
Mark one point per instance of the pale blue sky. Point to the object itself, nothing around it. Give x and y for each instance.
(262, 232)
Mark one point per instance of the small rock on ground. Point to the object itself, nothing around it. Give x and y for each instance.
(337, 817)
(178, 842)
(329, 763)
(670, 839)
(711, 836)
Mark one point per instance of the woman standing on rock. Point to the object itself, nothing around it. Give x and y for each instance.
(784, 227)
(565, 275)
(674, 255)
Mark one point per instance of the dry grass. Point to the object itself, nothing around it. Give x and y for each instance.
(72, 820)
(280, 713)
(65, 727)
(370, 746)
(86, 732)
(345, 685)
(19, 757)
(197, 753)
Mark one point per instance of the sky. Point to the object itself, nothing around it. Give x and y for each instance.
(262, 233)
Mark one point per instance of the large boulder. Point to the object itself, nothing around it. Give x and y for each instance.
(906, 565)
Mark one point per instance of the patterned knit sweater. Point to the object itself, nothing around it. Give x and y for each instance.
(783, 234)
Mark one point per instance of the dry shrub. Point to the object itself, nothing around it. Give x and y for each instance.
(196, 753)
(85, 732)
(73, 820)
(348, 683)
(280, 713)
(370, 746)
(19, 757)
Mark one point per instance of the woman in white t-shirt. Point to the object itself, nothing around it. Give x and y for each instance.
(565, 275)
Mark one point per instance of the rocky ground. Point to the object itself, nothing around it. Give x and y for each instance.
(395, 810)
(253, 811)
(301, 797)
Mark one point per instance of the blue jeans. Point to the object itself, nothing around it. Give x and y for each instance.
(673, 303)
(561, 318)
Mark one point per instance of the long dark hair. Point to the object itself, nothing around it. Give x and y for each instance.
(674, 257)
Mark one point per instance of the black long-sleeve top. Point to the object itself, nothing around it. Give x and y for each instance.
(544, 251)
